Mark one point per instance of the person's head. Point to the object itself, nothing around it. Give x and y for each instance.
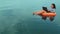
(53, 6)
(45, 8)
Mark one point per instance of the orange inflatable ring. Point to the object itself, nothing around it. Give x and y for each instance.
(49, 14)
(44, 13)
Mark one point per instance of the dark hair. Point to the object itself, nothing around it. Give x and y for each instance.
(54, 5)
(45, 8)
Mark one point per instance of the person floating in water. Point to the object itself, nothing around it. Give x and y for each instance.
(50, 13)
(53, 9)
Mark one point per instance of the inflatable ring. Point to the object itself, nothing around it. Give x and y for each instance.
(44, 13)
(49, 14)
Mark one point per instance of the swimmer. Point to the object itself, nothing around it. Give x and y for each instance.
(45, 12)
(50, 11)
(53, 9)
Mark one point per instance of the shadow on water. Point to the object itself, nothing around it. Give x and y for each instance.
(35, 26)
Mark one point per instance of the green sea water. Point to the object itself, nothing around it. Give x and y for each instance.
(16, 17)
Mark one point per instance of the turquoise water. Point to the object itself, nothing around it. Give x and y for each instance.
(16, 17)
